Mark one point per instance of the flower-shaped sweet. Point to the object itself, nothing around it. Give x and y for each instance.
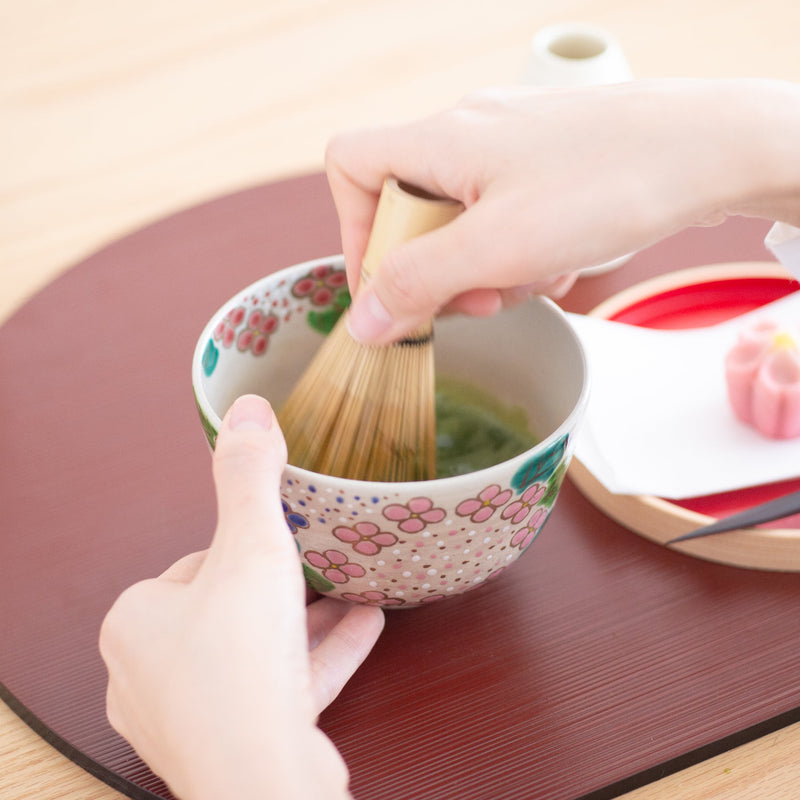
(762, 373)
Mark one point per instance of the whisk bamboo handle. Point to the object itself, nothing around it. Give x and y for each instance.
(404, 212)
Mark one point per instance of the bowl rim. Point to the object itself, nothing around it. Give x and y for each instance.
(570, 422)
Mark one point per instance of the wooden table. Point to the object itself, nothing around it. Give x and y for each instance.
(116, 114)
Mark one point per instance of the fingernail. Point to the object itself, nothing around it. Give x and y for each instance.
(368, 318)
(251, 412)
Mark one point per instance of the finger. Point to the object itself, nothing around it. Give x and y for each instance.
(322, 616)
(555, 288)
(184, 569)
(249, 458)
(334, 660)
(407, 151)
(487, 302)
(562, 285)
(475, 303)
(355, 205)
(357, 163)
(420, 277)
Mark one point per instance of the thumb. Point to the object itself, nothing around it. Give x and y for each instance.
(249, 458)
(418, 278)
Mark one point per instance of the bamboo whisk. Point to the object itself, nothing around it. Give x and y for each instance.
(368, 411)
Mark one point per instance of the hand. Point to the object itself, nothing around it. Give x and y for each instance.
(217, 669)
(557, 180)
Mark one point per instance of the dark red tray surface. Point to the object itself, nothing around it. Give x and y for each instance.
(599, 662)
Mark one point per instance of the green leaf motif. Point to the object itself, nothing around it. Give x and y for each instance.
(554, 484)
(542, 467)
(210, 358)
(324, 321)
(316, 582)
(209, 430)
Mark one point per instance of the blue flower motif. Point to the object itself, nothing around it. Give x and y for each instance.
(540, 468)
(210, 358)
(293, 520)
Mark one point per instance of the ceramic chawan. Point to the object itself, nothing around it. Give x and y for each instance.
(403, 544)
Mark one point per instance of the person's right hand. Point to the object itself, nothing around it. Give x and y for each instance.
(555, 180)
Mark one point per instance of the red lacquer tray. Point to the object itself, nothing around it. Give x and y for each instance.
(694, 298)
(599, 663)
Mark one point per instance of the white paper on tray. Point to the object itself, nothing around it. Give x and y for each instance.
(658, 419)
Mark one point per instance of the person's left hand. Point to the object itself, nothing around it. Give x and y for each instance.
(218, 668)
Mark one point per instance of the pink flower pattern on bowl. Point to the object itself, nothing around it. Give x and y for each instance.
(524, 537)
(365, 537)
(378, 567)
(762, 375)
(482, 507)
(225, 332)
(415, 515)
(251, 323)
(372, 598)
(334, 565)
(255, 337)
(320, 285)
(519, 509)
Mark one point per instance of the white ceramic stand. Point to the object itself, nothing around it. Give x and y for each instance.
(575, 54)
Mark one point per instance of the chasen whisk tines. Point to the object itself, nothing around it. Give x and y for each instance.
(368, 411)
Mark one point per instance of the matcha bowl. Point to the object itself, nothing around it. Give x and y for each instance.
(513, 389)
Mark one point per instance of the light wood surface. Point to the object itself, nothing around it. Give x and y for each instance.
(113, 114)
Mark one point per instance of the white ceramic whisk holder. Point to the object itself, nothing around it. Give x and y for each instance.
(577, 54)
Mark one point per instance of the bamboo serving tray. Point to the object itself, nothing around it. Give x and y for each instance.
(697, 297)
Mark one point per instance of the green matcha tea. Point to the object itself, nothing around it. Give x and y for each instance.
(475, 430)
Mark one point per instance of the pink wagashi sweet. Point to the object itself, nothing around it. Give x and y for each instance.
(742, 363)
(776, 391)
(762, 373)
